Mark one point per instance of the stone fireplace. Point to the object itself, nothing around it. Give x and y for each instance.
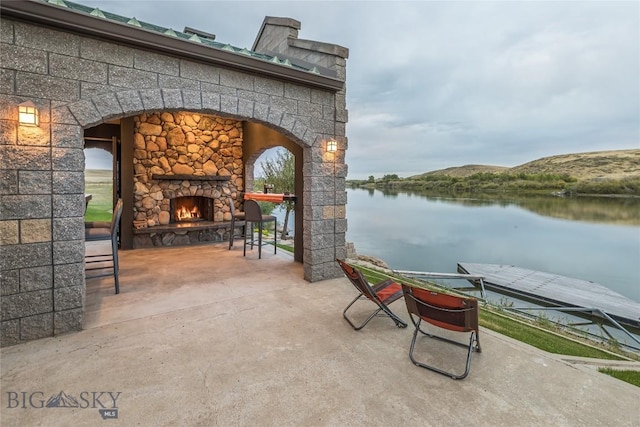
(186, 167)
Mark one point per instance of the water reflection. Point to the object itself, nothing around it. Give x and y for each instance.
(592, 239)
(610, 210)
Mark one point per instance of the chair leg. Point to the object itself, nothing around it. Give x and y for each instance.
(244, 243)
(259, 240)
(249, 226)
(470, 349)
(231, 232)
(357, 328)
(399, 323)
(117, 283)
(116, 266)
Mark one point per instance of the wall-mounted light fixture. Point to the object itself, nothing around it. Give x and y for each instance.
(332, 146)
(28, 114)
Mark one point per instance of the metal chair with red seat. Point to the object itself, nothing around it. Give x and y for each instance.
(451, 312)
(382, 294)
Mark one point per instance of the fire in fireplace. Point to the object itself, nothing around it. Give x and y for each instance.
(191, 208)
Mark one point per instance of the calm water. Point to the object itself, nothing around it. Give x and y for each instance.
(595, 239)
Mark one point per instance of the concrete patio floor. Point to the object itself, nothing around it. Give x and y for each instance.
(202, 336)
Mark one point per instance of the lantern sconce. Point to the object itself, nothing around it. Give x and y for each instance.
(332, 146)
(28, 114)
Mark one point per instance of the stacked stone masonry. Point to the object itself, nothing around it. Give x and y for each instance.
(186, 145)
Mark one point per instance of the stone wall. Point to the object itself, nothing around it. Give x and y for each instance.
(184, 143)
(78, 82)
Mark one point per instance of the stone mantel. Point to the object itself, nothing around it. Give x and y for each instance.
(182, 177)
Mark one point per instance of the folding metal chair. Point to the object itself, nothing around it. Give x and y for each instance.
(446, 311)
(382, 294)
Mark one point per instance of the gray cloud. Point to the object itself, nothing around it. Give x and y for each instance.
(438, 84)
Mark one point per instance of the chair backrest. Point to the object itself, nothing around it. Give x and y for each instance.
(232, 207)
(446, 311)
(252, 211)
(115, 219)
(357, 279)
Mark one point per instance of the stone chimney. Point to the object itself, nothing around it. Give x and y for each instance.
(279, 37)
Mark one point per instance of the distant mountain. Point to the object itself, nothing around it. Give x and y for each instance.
(598, 164)
(593, 165)
(463, 171)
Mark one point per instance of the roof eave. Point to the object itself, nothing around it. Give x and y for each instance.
(45, 14)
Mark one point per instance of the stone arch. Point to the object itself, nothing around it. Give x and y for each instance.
(250, 164)
(112, 105)
(106, 106)
(250, 167)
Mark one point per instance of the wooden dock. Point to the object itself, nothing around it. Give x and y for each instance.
(557, 290)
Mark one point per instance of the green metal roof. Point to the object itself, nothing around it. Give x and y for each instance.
(170, 32)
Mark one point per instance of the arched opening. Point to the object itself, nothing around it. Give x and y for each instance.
(316, 243)
(261, 139)
(160, 157)
(275, 173)
(102, 170)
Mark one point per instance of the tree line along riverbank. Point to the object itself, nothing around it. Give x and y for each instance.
(597, 173)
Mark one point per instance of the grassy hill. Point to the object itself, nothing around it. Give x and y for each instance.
(464, 171)
(593, 165)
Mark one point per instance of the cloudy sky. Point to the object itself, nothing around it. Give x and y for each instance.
(437, 84)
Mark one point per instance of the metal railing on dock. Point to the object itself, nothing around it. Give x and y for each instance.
(433, 275)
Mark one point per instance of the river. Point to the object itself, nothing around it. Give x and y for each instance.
(596, 239)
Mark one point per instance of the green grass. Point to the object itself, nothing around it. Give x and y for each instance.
(98, 183)
(539, 338)
(99, 210)
(287, 248)
(631, 377)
